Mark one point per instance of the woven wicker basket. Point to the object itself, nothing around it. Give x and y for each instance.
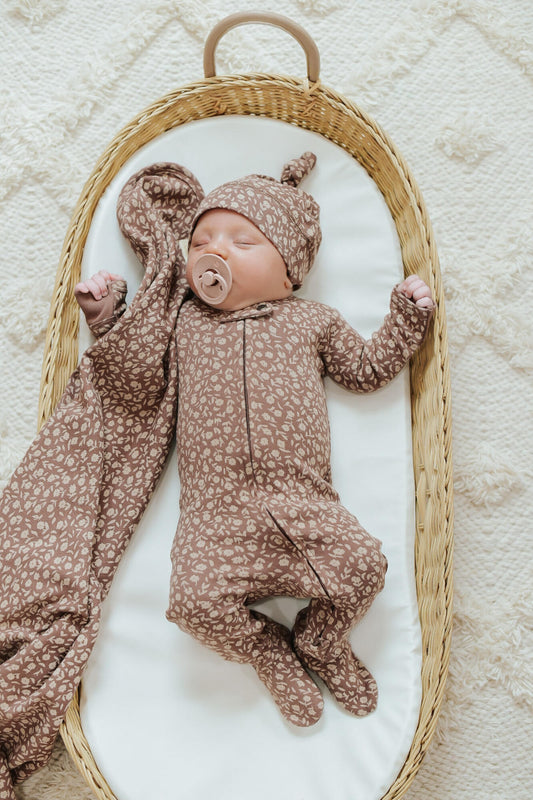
(309, 105)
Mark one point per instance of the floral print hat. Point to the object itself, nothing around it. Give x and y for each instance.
(286, 215)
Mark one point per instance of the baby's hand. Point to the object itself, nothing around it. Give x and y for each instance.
(102, 298)
(97, 284)
(418, 291)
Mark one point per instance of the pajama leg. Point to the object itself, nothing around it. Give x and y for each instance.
(209, 598)
(321, 630)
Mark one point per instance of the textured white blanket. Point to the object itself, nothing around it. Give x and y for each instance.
(451, 83)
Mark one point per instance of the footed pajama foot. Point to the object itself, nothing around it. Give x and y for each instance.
(348, 680)
(294, 691)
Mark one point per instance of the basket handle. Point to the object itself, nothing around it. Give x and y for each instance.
(243, 18)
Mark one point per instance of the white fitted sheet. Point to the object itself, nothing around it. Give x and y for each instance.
(165, 717)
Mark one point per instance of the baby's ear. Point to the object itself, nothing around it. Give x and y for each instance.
(287, 283)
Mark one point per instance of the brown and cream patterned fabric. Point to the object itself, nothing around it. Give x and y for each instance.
(259, 516)
(348, 680)
(72, 504)
(279, 668)
(288, 217)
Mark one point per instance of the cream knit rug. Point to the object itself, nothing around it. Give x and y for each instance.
(451, 83)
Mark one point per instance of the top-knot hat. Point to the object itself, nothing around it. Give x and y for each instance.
(286, 215)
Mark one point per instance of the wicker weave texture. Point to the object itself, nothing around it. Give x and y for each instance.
(326, 112)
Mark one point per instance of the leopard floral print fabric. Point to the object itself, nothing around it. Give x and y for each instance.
(72, 504)
(259, 515)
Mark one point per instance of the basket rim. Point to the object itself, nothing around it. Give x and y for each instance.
(215, 97)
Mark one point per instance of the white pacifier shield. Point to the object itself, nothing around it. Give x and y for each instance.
(211, 277)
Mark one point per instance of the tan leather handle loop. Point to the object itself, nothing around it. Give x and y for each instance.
(243, 18)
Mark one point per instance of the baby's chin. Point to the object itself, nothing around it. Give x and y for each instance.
(233, 304)
(236, 303)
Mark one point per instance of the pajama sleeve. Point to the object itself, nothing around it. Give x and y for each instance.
(365, 365)
(102, 314)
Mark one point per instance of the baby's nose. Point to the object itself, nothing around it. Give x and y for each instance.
(219, 247)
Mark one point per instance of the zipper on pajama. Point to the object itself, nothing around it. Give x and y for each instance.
(246, 401)
(249, 435)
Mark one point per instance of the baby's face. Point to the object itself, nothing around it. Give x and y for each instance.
(257, 268)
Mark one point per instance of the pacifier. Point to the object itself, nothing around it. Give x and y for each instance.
(211, 278)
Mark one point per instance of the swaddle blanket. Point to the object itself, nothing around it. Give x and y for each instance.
(72, 504)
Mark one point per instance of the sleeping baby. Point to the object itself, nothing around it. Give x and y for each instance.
(259, 516)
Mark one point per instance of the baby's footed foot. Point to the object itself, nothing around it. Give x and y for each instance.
(293, 690)
(348, 680)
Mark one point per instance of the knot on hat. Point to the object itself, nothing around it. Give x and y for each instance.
(295, 170)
